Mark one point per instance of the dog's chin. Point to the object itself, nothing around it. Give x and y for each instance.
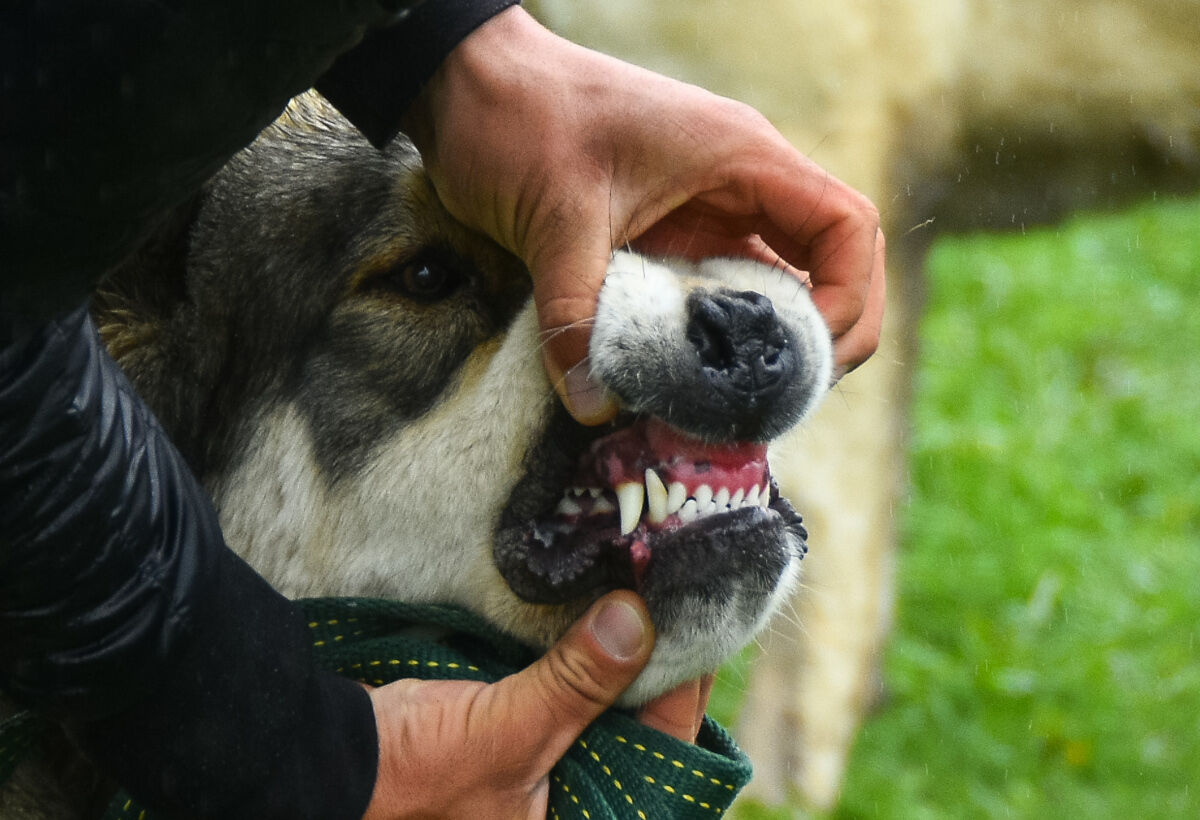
(706, 539)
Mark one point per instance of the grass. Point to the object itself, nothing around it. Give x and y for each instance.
(1046, 659)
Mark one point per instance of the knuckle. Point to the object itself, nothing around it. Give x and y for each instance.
(574, 684)
(867, 210)
(856, 352)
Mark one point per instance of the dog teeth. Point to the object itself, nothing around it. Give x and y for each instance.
(567, 507)
(656, 497)
(676, 495)
(688, 512)
(660, 501)
(630, 497)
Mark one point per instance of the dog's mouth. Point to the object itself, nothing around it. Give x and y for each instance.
(643, 506)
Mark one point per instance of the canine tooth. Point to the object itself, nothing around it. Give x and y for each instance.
(656, 496)
(688, 513)
(764, 500)
(735, 503)
(676, 495)
(752, 497)
(703, 496)
(630, 497)
(721, 499)
(602, 505)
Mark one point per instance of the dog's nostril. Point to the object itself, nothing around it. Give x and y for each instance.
(709, 331)
(771, 352)
(739, 340)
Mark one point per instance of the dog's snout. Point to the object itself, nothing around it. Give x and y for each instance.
(708, 358)
(741, 343)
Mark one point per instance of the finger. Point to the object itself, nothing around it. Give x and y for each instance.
(858, 343)
(678, 712)
(566, 286)
(706, 687)
(834, 238)
(550, 703)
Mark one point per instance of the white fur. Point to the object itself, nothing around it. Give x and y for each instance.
(641, 312)
(416, 523)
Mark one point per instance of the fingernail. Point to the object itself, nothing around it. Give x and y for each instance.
(620, 629)
(586, 399)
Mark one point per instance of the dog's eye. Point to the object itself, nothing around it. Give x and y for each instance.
(427, 277)
(425, 281)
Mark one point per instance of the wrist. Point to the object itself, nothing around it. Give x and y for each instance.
(484, 71)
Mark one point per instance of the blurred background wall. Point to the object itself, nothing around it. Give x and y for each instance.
(954, 116)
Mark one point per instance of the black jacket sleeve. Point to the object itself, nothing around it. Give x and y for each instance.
(124, 616)
(111, 113)
(122, 612)
(415, 48)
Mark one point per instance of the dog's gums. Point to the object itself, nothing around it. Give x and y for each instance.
(643, 505)
(673, 477)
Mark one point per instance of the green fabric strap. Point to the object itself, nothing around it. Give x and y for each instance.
(618, 768)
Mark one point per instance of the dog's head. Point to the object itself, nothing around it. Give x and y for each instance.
(357, 379)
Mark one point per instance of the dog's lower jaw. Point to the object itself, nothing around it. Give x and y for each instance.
(685, 650)
(709, 588)
(690, 640)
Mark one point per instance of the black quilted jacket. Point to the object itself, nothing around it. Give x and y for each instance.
(122, 612)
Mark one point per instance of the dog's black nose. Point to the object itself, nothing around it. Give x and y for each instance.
(743, 349)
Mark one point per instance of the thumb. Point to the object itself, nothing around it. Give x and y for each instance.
(566, 286)
(582, 675)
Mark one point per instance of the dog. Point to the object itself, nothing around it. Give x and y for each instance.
(356, 378)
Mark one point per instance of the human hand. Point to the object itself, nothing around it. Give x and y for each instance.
(470, 749)
(680, 711)
(562, 154)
